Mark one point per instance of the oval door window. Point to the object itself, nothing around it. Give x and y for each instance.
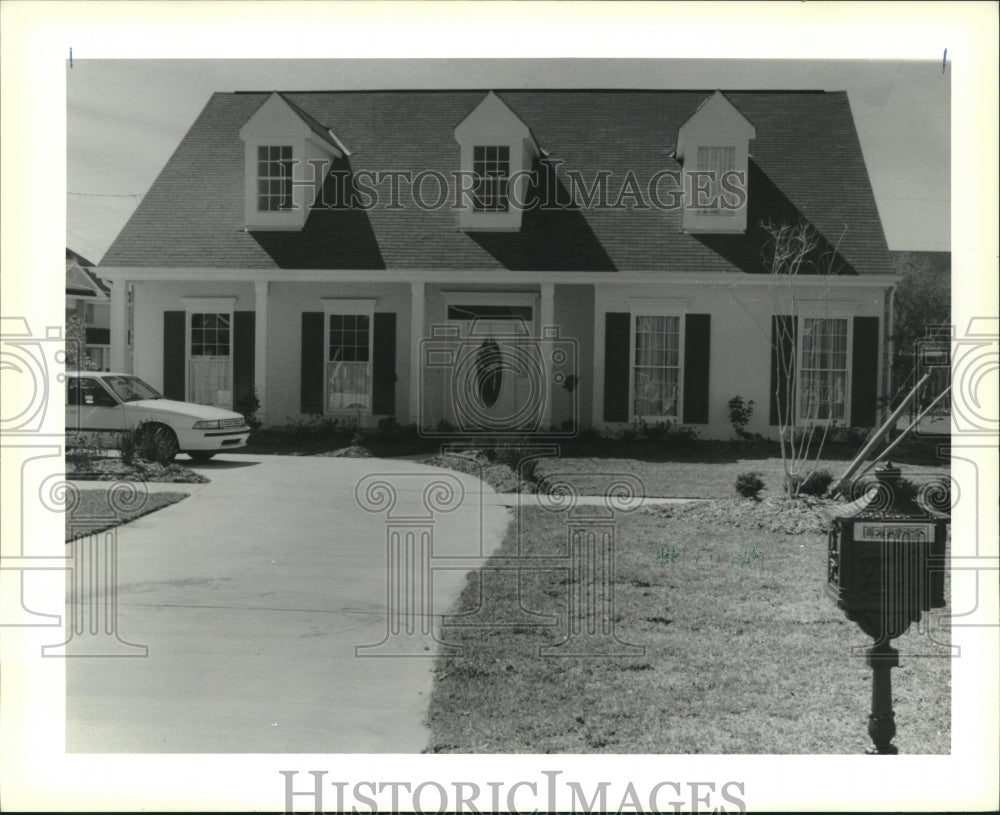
(489, 372)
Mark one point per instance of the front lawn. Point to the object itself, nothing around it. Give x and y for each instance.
(744, 653)
(92, 512)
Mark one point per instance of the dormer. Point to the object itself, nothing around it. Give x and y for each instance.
(713, 146)
(287, 158)
(497, 153)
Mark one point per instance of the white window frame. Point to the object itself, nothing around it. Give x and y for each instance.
(351, 306)
(280, 178)
(208, 305)
(656, 308)
(800, 420)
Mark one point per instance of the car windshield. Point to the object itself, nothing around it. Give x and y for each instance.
(130, 388)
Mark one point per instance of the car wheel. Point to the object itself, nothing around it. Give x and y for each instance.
(200, 455)
(157, 442)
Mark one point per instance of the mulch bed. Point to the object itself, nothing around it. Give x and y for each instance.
(354, 451)
(499, 476)
(113, 469)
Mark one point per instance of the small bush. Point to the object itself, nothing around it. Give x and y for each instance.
(82, 452)
(816, 483)
(315, 426)
(128, 446)
(158, 448)
(739, 416)
(248, 406)
(749, 484)
(444, 426)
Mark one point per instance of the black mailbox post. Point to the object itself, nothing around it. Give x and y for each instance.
(885, 568)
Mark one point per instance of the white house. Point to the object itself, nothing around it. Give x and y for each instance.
(509, 260)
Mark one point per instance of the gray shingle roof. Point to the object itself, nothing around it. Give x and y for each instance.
(806, 161)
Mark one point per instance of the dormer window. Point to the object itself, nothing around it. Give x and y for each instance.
(716, 162)
(497, 153)
(713, 146)
(274, 178)
(491, 165)
(287, 157)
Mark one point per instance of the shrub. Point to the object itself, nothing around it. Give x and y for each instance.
(248, 406)
(749, 484)
(128, 446)
(155, 447)
(816, 483)
(316, 425)
(81, 452)
(739, 415)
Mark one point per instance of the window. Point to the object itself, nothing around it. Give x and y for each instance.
(274, 178)
(657, 365)
(209, 360)
(348, 361)
(823, 370)
(491, 166)
(718, 161)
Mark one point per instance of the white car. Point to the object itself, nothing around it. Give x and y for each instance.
(100, 403)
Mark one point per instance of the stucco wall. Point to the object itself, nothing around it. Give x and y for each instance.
(740, 351)
(288, 301)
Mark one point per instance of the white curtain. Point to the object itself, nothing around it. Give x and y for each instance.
(718, 161)
(823, 386)
(657, 365)
(210, 382)
(348, 385)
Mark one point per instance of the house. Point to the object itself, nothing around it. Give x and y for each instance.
(88, 297)
(511, 260)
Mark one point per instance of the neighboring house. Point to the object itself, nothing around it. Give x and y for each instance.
(88, 297)
(285, 249)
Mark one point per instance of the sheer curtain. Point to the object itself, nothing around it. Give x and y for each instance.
(657, 365)
(823, 389)
(718, 161)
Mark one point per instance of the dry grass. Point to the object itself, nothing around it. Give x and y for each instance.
(744, 653)
(92, 513)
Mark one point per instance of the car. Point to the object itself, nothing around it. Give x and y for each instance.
(100, 403)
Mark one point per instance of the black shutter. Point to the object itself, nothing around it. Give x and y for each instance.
(864, 372)
(697, 339)
(616, 365)
(243, 355)
(783, 337)
(313, 346)
(174, 347)
(384, 365)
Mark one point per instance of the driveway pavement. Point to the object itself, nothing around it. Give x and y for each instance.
(252, 595)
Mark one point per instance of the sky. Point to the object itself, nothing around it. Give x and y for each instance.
(126, 117)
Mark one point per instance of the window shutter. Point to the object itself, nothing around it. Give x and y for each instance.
(783, 336)
(697, 336)
(384, 364)
(864, 372)
(616, 365)
(174, 352)
(243, 355)
(313, 355)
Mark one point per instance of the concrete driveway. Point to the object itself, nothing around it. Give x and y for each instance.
(252, 596)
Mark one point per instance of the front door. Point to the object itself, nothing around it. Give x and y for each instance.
(496, 380)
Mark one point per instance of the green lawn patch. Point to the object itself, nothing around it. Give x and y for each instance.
(93, 512)
(744, 652)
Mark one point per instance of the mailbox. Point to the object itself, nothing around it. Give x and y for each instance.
(885, 567)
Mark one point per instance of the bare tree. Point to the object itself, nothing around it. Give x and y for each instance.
(804, 417)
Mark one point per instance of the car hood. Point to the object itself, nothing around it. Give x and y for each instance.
(197, 412)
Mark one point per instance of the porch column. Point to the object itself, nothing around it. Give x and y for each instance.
(119, 326)
(261, 288)
(416, 335)
(546, 324)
